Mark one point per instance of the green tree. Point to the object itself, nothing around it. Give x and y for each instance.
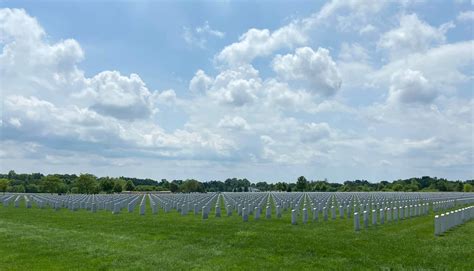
(32, 188)
(4, 185)
(397, 187)
(107, 185)
(173, 187)
(467, 187)
(117, 187)
(51, 184)
(12, 175)
(86, 184)
(129, 186)
(191, 186)
(16, 188)
(301, 184)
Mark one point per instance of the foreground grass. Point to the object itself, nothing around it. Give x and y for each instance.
(44, 239)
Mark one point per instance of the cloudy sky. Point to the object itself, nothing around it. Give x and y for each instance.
(344, 89)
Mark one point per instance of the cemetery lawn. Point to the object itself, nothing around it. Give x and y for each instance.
(44, 239)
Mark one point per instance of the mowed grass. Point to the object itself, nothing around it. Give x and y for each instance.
(45, 239)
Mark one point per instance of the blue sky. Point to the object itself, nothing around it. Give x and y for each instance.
(269, 91)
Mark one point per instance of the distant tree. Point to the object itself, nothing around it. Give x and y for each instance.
(262, 186)
(12, 174)
(16, 188)
(397, 187)
(301, 184)
(106, 185)
(86, 184)
(173, 187)
(4, 185)
(117, 187)
(192, 185)
(51, 184)
(32, 188)
(165, 184)
(144, 188)
(467, 188)
(129, 186)
(246, 189)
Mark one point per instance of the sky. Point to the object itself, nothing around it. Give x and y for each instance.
(267, 90)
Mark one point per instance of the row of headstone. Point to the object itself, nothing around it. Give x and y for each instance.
(304, 206)
(394, 214)
(446, 221)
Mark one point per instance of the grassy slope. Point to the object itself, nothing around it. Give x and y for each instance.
(44, 239)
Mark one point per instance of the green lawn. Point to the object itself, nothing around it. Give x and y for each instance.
(44, 239)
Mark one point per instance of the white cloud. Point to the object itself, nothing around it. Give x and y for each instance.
(350, 15)
(206, 29)
(466, 16)
(200, 82)
(233, 123)
(200, 35)
(15, 122)
(120, 96)
(236, 87)
(166, 97)
(410, 87)
(443, 66)
(45, 122)
(367, 29)
(361, 7)
(262, 42)
(16, 24)
(29, 64)
(245, 115)
(412, 36)
(280, 95)
(48, 100)
(315, 68)
(353, 52)
(314, 132)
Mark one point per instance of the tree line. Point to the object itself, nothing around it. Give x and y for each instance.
(90, 184)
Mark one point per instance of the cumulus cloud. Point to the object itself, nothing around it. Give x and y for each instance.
(350, 15)
(200, 82)
(443, 66)
(410, 87)
(233, 123)
(16, 24)
(200, 35)
(263, 42)
(466, 16)
(120, 96)
(413, 35)
(31, 65)
(314, 132)
(166, 97)
(246, 114)
(238, 86)
(367, 29)
(353, 52)
(281, 95)
(317, 69)
(355, 6)
(48, 100)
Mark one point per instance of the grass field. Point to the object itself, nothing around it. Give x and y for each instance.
(44, 239)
